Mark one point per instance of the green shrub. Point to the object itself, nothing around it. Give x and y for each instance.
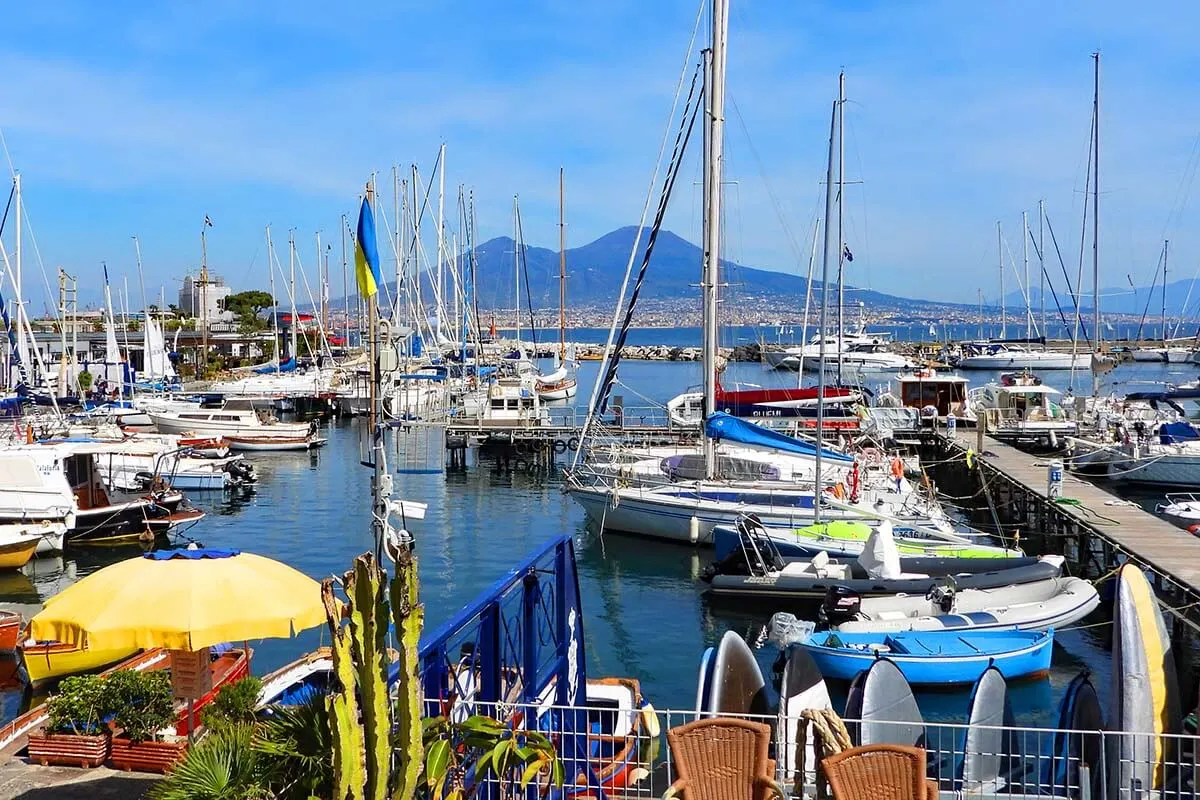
(223, 765)
(82, 703)
(235, 704)
(296, 749)
(141, 702)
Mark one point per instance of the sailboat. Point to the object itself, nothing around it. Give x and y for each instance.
(687, 511)
(560, 384)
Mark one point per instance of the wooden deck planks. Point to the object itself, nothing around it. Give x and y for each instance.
(1146, 537)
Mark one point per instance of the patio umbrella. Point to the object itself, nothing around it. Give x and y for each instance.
(182, 600)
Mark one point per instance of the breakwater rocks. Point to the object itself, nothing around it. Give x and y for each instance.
(651, 352)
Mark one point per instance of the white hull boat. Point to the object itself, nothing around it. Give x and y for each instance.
(237, 418)
(1053, 603)
(1180, 507)
(688, 513)
(1026, 359)
(275, 443)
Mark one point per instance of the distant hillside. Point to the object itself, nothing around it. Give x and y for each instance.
(1118, 299)
(595, 271)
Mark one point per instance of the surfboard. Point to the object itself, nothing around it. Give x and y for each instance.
(883, 703)
(1079, 711)
(736, 685)
(801, 687)
(1145, 697)
(987, 749)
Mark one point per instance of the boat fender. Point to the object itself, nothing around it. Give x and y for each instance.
(650, 720)
(614, 499)
(1194, 529)
(694, 529)
(560, 446)
(573, 443)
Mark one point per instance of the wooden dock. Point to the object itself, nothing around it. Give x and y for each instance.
(1119, 529)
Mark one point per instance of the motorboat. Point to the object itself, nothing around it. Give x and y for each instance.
(1165, 455)
(1182, 507)
(756, 570)
(63, 482)
(1053, 603)
(1019, 408)
(275, 443)
(764, 404)
(1165, 354)
(935, 658)
(935, 395)
(512, 402)
(235, 417)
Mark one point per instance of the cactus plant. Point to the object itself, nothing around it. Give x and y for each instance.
(367, 588)
(408, 617)
(348, 776)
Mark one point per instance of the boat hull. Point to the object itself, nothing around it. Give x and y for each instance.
(1167, 470)
(934, 658)
(45, 661)
(1021, 360)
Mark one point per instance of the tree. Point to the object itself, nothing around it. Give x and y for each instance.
(249, 303)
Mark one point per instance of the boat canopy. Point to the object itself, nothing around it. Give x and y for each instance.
(722, 426)
(1175, 432)
(284, 366)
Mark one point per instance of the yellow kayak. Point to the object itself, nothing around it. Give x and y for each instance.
(46, 661)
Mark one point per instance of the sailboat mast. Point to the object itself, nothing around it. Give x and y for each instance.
(714, 163)
(1096, 204)
(274, 300)
(824, 312)
(441, 236)
(1003, 302)
(292, 290)
(346, 289)
(841, 231)
(1025, 260)
(562, 271)
(1042, 260)
(1166, 244)
(517, 270)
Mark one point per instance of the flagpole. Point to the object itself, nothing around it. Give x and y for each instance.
(376, 397)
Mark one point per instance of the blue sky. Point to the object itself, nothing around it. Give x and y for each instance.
(129, 119)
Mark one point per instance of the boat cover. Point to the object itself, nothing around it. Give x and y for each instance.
(880, 556)
(722, 426)
(1173, 432)
(284, 366)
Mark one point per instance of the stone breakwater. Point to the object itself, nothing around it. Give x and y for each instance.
(650, 352)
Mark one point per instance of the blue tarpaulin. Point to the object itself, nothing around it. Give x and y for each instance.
(722, 426)
(1173, 432)
(284, 366)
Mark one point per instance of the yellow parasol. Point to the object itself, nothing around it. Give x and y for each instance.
(182, 600)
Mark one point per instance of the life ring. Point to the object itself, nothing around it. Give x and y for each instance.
(573, 443)
(521, 446)
(560, 446)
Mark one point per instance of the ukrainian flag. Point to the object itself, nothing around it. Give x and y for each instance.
(366, 255)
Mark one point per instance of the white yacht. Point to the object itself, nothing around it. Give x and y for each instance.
(1020, 408)
(235, 419)
(1003, 356)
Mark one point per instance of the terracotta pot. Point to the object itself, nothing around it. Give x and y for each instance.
(158, 757)
(68, 749)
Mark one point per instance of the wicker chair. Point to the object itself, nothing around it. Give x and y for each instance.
(722, 759)
(879, 772)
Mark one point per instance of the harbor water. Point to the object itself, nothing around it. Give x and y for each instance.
(645, 616)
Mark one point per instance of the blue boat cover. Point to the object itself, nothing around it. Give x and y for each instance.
(284, 366)
(195, 555)
(722, 426)
(1173, 432)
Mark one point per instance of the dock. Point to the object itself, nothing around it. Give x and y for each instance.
(1093, 528)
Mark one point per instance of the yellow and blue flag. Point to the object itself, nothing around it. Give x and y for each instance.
(366, 255)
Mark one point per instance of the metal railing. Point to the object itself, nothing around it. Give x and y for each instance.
(629, 756)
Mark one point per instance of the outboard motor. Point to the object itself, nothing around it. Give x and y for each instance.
(841, 604)
(241, 473)
(942, 597)
(145, 480)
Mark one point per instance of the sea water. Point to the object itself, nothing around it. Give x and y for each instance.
(645, 616)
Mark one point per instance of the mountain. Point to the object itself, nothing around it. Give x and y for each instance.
(595, 272)
(1116, 299)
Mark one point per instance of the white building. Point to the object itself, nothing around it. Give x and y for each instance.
(204, 299)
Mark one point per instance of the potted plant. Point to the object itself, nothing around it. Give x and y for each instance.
(76, 734)
(143, 715)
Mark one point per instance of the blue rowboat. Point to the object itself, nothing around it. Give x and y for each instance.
(933, 657)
